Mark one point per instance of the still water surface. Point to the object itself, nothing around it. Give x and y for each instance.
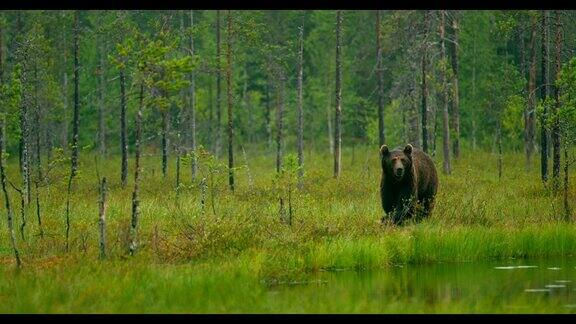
(513, 286)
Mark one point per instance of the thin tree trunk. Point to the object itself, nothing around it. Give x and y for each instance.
(299, 107)
(473, 90)
(556, 107)
(123, 131)
(424, 105)
(2, 78)
(7, 202)
(280, 121)
(218, 87)
(165, 120)
(330, 133)
(37, 128)
(381, 134)
(38, 214)
(64, 136)
(337, 129)
(455, 86)
(530, 120)
(567, 212)
(75, 124)
(101, 105)
(413, 120)
(499, 141)
(102, 218)
(267, 113)
(38, 152)
(445, 115)
(25, 143)
(135, 202)
(543, 95)
(177, 171)
(230, 116)
(193, 165)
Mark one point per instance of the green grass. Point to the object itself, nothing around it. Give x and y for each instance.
(227, 262)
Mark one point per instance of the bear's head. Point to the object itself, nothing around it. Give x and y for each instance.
(396, 163)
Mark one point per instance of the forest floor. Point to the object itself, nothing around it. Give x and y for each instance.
(223, 258)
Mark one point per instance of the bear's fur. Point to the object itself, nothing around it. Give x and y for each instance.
(409, 183)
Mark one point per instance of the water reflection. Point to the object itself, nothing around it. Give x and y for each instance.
(517, 287)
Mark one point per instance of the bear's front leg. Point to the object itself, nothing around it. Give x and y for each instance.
(404, 206)
(389, 199)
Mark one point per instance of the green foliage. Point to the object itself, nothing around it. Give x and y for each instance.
(513, 120)
(566, 115)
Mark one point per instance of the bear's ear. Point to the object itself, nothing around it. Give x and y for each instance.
(408, 149)
(384, 150)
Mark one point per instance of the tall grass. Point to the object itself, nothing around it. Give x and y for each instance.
(335, 226)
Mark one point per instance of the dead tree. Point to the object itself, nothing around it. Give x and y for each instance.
(7, 202)
(135, 202)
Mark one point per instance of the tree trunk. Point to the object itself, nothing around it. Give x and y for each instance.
(230, 117)
(381, 135)
(280, 120)
(7, 202)
(268, 112)
(3, 122)
(499, 140)
(74, 160)
(64, 130)
(218, 87)
(192, 104)
(102, 218)
(567, 212)
(530, 120)
(135, 202)
(543, 95)
(25, 141)
(337, 129)
(299, 107)
(75, 123)
(455, 87)
(424, 105)
(165, 120)
(445, 116)
(101, 105)
(123, 131)
(556, 107)
(330, 133)
(473, 91)
(38, 215)
(37, 127)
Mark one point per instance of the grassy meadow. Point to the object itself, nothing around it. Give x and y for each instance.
(228, 258)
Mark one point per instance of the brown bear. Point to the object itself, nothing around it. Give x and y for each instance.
(409, 182)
